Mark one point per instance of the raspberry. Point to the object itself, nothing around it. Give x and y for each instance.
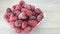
(16, 13)
(38, 11)
(34, 14)
(9, 14)
(18, 23)
(24, 24)
(6, 17)
(12, 23)
(22, 2)
(9, 10)
(22, 15)
(12, 17)
(14, 7)
(32, 23)
(40, 17)
(32, 7)
(26, 6)
(18, 7)
(32, 17)
(19, 30)
(23, 10)
(29, 13)
(27, 29)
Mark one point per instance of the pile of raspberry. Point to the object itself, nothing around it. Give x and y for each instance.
(23, 17)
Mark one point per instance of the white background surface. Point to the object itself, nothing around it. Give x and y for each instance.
(51, 24)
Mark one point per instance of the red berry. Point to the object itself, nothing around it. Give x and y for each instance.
(32, 17)
(19, 30)
(9, 14)
(23, 10)
(6, 17)
(38, 11)
(27, 29)
(22, 15)
(22, 2)
(34, 14)
(18, 23)
(9, 10)
(16, 13)
(26, 6)
(12, 23)
(14, 7)
(18, 7)
(32, 23)
(40, 17)
(29, 13)
(32, 7)
(24, 24)
(12, 17)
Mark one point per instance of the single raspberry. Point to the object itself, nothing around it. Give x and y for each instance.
(22, 15)
(26, 6)
(16, 13)
(27, 29)
(14, 7)
(9, 10)
(38, 11)
(18, 30)
(24, 24)
(32, 7)
(32, 23)
(18, 7)
(29, 13)
(40, 17)
(18, 23)
(12, 17)
(32, 17)
(22, 2)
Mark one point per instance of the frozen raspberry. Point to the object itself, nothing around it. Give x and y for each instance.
(27, 29)
(22, 15)
(12, 17)
(22, 2)
(32, 7)
(6, 17)
(17, 29)
(32, 23)
(14, 7)
(23, 10)
(24, 24)
(18, 23)
(9, 14)
(38, 11)
(9, 10)
(18, 7)
(29, 13)
(26, 6)
(16, 13)
(34, 14)
(12, 23)
(40, 17)
(32, 17)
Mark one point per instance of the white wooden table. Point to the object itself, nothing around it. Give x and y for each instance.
(51, 23)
